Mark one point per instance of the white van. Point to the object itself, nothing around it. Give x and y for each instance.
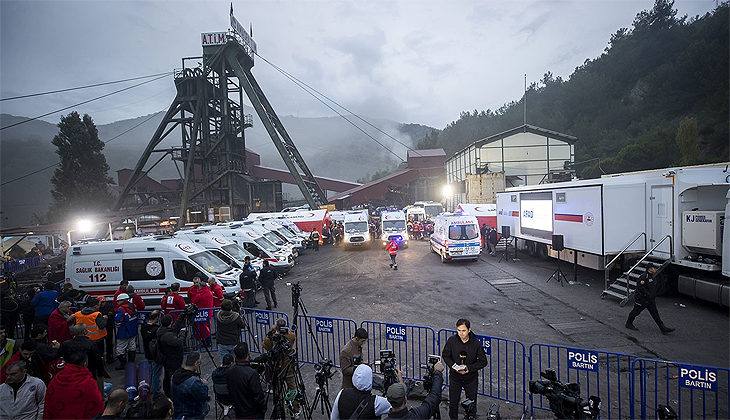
(151, 264)
(393, 226)
(283, 233)
(416, 214)
(274, 237)
(225, 249)
(256, 244)
(456, 236)
(357, 228)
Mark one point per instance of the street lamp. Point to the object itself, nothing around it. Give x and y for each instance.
(82, 225)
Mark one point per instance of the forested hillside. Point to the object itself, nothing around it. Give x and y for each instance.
(657, 97)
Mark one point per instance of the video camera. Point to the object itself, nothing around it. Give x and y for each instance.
(190, 312)
(387, 368)
(281, 346)
(428, 377)
(323, 371)
(296, 292)
(565, 400)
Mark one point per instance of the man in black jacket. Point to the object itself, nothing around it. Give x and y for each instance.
(247, 281)
(244, 386)
(81, 343)
(644, 296)
(397, 397)
(464, 355)
(171, 347)
(149, 332)
(267, 276)
(228, 328)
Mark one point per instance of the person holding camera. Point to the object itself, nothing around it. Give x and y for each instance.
(280, 338)
(351, 353)
(464, 354)
(189, 391)
(398, 397)
(359, 402)
(171, 346)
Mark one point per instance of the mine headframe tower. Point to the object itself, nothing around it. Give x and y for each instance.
(208, 113)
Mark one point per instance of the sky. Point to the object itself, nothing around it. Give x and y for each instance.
(411, 61)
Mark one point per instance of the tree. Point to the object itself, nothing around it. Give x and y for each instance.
(81, 181)
(663, 15)
(687, 140)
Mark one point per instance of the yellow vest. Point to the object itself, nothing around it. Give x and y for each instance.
(95, 333)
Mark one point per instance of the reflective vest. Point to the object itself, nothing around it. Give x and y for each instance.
(95, 333)
(7, 352)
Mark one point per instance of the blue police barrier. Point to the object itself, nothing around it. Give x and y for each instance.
(601, 373)
(331, 334)
(504, 377)
(193, 330)
(411, 344)
(260, 323)
(18, 266)
(692, 391)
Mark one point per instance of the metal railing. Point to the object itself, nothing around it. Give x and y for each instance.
(608, 266)
(671, 252)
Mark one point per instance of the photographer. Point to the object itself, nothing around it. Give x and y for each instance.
(171, 347)
(283, 342)
(358, 402)
(464, 354)
(189, 392)
(244, 386)
(397, 397)
(352, 351)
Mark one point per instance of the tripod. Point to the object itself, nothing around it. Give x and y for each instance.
(322, 395)
(279, 376)
(190, 323)
(558, 274)
(505, 256)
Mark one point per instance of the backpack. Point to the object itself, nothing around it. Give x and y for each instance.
(157, 355)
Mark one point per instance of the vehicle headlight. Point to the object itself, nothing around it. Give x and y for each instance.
(282, 258)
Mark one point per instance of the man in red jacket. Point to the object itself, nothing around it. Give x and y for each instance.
(204, 300)
(392, 249)
(59, 323)
(137, 300)
(173, 301)
(73, 393)
(122, 289)
(195, 288)
(217, 291)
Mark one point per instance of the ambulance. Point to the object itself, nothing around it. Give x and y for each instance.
(357, 229)
(150, 264)
(280, 259)
(282, 232)
(393, 226)
(225, 249)
(456, 237)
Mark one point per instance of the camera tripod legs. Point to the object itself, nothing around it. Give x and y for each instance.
(323, 399)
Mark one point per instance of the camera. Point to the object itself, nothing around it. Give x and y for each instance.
(565, 401)
(428, 377)
(470, 409)
(323, 371)
(296, 292)
(356, 359)
(190, 312)
(386, 362)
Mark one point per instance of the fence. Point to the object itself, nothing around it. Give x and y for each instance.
(693, 391)
(411, 344)
(18, 266)
(331, 334)
(504, 376)
(601, 373)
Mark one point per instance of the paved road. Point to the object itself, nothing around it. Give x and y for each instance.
(502, 299)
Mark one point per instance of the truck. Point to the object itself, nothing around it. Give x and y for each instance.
(357, 229)
(673, 217)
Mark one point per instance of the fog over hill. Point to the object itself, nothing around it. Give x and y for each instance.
(331, 146)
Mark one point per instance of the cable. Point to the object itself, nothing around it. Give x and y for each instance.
(58, 163)
(84, 102)
(83, 87)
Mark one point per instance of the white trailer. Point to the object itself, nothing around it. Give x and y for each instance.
(669, 216)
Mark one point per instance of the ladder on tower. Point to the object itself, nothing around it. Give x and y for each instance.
(304, 178)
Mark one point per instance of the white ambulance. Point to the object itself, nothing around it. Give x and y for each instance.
(456, 236)
(357, 228)
(225, 249)
(150, 265)
(393, 226)
(281, 260)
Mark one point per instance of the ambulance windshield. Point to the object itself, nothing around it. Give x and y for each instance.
(210, 262)
(394, 225)
(463, 232)
(237, 252)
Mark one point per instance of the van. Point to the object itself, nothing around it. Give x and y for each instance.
(393, 226)
(416, 214)
(151, 264)
(284, 233)
(357, 229)
(256, 244)
(225, 249)
(456, 236)
(274, 237)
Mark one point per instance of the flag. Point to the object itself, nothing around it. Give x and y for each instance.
(231, 8)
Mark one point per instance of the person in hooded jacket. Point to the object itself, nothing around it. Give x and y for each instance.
(204, 300)
(171, 347)
(189, 392)
(349, 399)
(464, 355)
(228, 328)
(126, 321)
(73, 393)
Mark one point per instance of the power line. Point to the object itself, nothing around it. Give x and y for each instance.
(302, 85)
(83, 87)
(84, 102)
(58, 163)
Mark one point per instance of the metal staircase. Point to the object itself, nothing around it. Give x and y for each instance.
(623, 287)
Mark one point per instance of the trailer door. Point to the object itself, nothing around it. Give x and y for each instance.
(662, 218)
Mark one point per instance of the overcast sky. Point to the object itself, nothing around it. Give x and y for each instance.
(409, 61)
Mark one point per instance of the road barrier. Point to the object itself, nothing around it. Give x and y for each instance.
(600, 373)
(332, 334)
(411, 344)
(504, 376)
(693, 391)
(18, 266)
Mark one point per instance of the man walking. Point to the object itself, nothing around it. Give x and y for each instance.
(492, 241)
(392, 249)
(464, 355)
(644, 296)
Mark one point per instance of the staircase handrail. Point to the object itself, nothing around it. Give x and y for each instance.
(671, 252)
(609, 265)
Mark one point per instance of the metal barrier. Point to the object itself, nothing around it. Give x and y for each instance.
(601, 373)
(18, 266)
(260, 321)
(332, 335)
(411, 343)
(693, 391)
(504, 376)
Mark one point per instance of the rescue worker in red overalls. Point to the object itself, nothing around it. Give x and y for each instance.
(392, 249)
